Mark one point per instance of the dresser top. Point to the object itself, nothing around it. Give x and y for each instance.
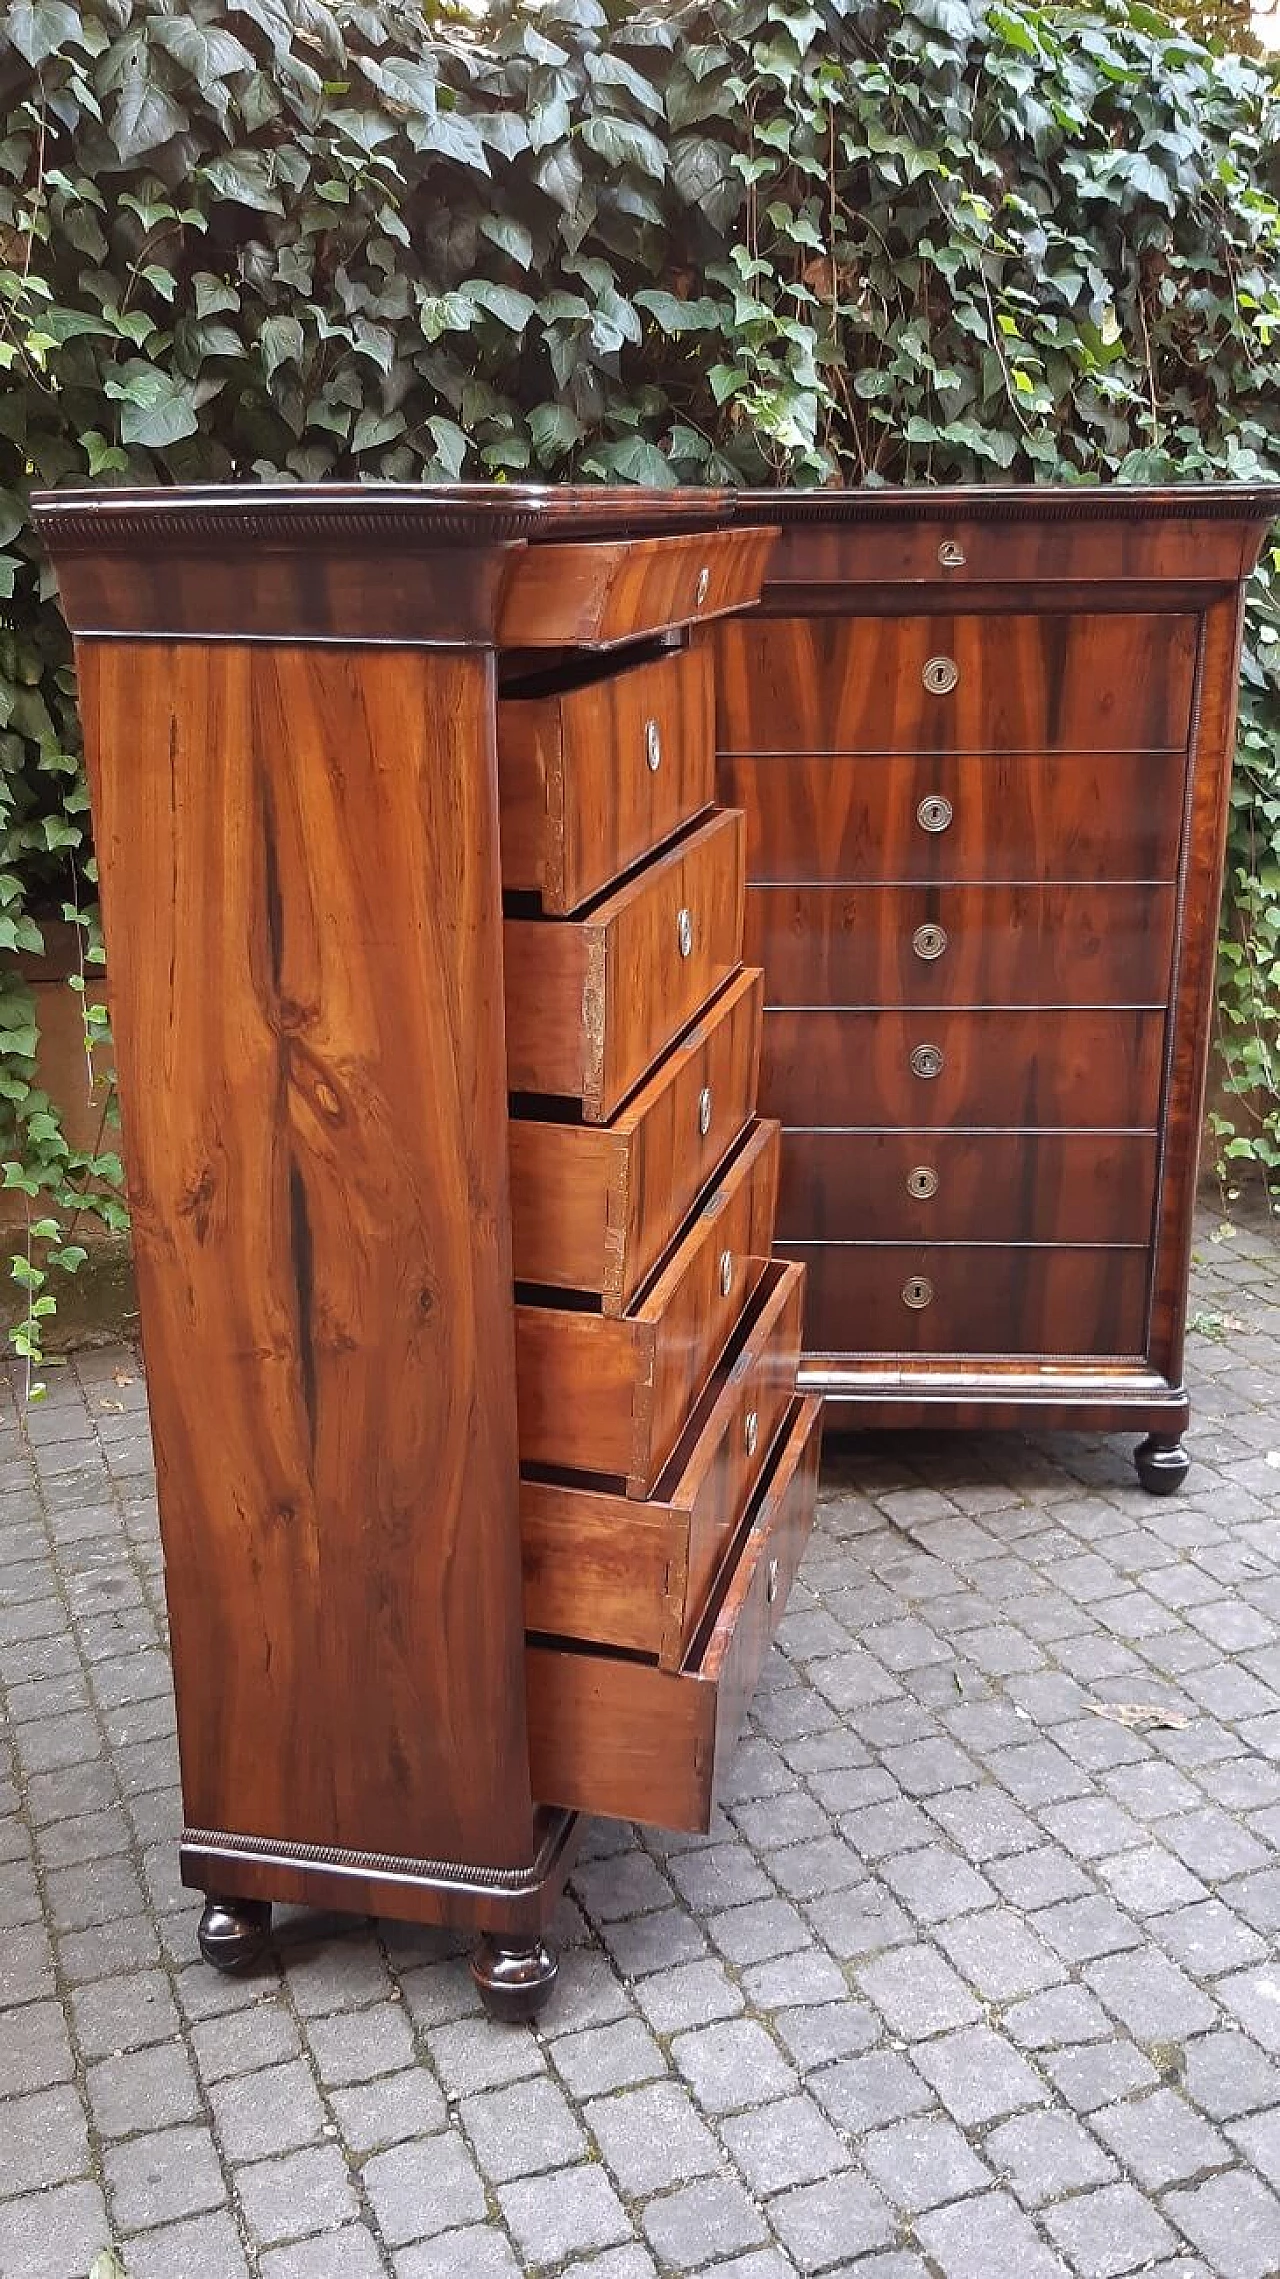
(1018, 502)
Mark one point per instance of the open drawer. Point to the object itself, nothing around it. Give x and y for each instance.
(594, 592)
(591, 1001)
(636, 1742)
(638, 1576)
(593, 1206)
(611, 1395)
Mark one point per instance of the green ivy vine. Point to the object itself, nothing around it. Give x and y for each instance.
(811, 241)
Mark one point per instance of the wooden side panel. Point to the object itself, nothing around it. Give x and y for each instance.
(950, 1186)
(1191, 1021)
(962, 945)
(1057, 681)
(998, 1068)
(980, 1299)
(1110, 815)
(566, 1186)
(593, 779)
(552, 974)
(300, 874)
(601, 1567)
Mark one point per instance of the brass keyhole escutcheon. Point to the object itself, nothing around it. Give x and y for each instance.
(704, 1110)
(940, 675)
(917, 1293)
(652, 746)
(684, 932)
(922, 1182)
(726, 1272)
(951, 554)
(771, 1582)
(703, 587)
(929, 942)
(935, 812)
(927, 1060)
(751, 1431)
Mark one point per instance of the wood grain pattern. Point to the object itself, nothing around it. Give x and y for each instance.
(594, 1206)
(618, 589)
(635, 1742)
(1022, 818)
(984, 1299)
(1012, 1187)
(592, 1001)
(1001, 1067)
(300, 876)
(636, 1576)
(1059, 682)
(580, 798)
(962, 945)
(610, 1395)
(873, 552)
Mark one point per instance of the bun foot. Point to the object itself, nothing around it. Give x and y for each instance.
(514, 1976)
(1163, 1464)
(233, 1933)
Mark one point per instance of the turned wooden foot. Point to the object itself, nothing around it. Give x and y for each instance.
(1162, 1462)
(514, 1976)
(233, 1933)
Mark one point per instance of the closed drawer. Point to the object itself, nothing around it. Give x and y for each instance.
(594, 1206)
(611, 1395)
(591, 778)
(1055, 681)
(635, 1742)
(996, 1067)
(974, 1298)
(962, 945)
(945, 1186)
(618, 589)
(1109, 815)
(592, 1001)
(637, 1575)
(847, 543)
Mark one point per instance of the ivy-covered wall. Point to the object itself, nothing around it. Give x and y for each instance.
(813, 241)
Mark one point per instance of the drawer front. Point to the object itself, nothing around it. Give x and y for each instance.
(618, 589)
(962, 945)
(968, 1299)
(636, 1575)
(611, 1396)
(593, 778)
(593, 1207)
(956, 551)
(1019, 1070)
(632, 1742)
(1056, 681)
(1026, 818)
(947, 1186)
(592, 1001)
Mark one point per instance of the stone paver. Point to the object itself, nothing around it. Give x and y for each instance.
(968, 1981)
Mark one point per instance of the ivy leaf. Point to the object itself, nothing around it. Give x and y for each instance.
(451, 444)
(156, 407)
(622, 142)
(145, 117)
(510, 307)
(245, 180)
(375, 427)
(554, 430)
(38, 28)
(206, 51)
(560, 175)
(281, 342)
(512, 236)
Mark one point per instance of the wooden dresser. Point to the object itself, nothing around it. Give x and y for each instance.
(482, 1473)
(983, 740)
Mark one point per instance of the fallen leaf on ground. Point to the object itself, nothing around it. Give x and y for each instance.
(1140, 1713)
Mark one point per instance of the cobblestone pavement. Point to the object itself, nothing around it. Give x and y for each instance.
(967, 1981)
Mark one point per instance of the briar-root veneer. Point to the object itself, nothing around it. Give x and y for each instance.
(450, 1214)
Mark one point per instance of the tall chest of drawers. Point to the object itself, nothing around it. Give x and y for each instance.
(983, 741)
(482, 1472)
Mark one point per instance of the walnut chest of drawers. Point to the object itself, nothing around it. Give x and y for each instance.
(482, 1471)
(983, 742)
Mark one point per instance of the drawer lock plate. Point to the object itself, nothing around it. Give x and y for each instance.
(704, 1110)
(927, 1060)
(652, 746)
(940, 675)
(684, 932)
(922, 1182)
(917, 1293)
(929, 942)
(934, 813)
